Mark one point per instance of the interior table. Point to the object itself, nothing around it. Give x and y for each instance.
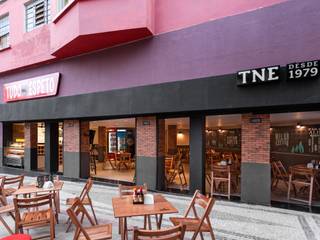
(123, 208)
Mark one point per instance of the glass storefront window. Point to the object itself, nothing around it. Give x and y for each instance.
(14, 145)
(177, 154)
(112, 149)
(295, 151)
(223, 155)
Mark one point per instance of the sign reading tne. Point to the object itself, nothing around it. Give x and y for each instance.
(38, 87)
(259, 75)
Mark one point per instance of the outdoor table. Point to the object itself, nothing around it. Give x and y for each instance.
(17, 237)
(123, 208)
(33, 189)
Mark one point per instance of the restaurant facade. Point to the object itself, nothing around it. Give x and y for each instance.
(232, 92)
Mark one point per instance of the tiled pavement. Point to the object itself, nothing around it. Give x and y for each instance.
(230, 220)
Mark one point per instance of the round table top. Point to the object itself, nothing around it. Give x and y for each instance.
(18, 237)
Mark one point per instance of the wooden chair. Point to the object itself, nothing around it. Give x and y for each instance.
(124, 159)
(221, 176)
(173, 233)
(305, 179)
(93, 158)
(84, 199)
(6, 209)
(17, 181)
(197, 224)
(31, 218)
(94, 232)
(177, 170)
(279, 173)
(111, 157)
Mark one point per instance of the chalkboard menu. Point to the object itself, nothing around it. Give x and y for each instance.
(303, 140)
(224, 139)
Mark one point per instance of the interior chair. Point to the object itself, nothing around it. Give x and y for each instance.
(304, 179)
(279, 173)
(222, 176)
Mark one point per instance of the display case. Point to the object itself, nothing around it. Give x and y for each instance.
(14, 154)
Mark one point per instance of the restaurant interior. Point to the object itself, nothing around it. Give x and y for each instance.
(112, 149)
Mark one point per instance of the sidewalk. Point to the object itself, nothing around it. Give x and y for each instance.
(230, 220)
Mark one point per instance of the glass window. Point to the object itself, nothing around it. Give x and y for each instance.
(37, 14)
(14, 145)
(4, 32)
(62, 4)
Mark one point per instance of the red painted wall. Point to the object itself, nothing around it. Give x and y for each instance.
(34, 47)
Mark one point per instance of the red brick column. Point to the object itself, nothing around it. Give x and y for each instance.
(71, 148)
(172, 139)
(161, 141)
(84, 149)
(146, 144)
(146, 136)
(255, 157)
(30, 146)
(255, 142)
(102, 142)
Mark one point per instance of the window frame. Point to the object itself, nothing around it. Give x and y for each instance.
(61, 4)
(6, 34)
(31, 21)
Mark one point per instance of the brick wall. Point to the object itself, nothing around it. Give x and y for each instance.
(161, 138)
(172, 139)
(71, 136)
(102, 136)
(30, 135)
(146, 136)
(255, 140)
(84, 136)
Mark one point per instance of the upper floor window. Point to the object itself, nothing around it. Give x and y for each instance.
(37, 13)
(62, 4)
(4, 31)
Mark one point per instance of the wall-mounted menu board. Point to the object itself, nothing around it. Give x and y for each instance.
(303, 140)
(224, 139)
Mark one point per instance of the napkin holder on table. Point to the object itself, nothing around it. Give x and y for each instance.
(48, 185)
(148, 199)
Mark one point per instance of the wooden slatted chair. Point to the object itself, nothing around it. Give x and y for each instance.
(111, 157)
(94, 232)
(14, 183)
(221, 175)
(124, 159)
(177, 170)
(197, 224)
(6, 209)
(85, 199)
(173, 233)
(31, 218)
(279, 173)
(305, 179)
